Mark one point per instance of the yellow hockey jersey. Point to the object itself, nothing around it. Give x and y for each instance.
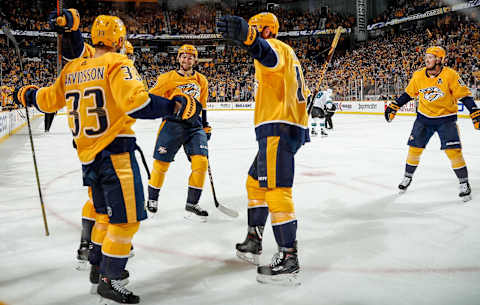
(195, 85)
(281, 92)
(438, 95)
(95, 91)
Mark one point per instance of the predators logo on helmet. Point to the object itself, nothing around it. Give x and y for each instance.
(262, 20)
(108, 31)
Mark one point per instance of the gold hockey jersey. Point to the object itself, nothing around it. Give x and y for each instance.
(95, 91)
(437, 96)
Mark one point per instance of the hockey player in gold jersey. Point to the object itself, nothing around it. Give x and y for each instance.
(73, 46)
(281, 127)
(104, 95)
(174, 134)
(438, 88)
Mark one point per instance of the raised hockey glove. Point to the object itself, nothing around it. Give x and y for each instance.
(475, 115)
(208, 130)
(237, 29)
(24, 96)
(190, 109)
(391, 111)
(69, 20)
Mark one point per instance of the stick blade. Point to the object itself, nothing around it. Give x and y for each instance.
(227, 211)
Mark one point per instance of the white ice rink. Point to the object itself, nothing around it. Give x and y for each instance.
(360, 243)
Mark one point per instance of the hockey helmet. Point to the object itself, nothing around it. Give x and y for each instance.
(262, 20)
(108, 31)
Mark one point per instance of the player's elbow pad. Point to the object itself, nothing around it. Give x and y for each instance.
(263, 52)
(403, 99)
(469, 102)
(156, 108)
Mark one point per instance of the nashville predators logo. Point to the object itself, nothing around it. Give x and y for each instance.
(191, 89)
(432, 94)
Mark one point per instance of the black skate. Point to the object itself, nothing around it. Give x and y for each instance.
(323, 134)
(95, 278)
(152, 206)
(251, 249)
(195, 212)
(404, 184)
(314, 133)
(465, 191)
(113, 292)
(283, 270)
(82, 256)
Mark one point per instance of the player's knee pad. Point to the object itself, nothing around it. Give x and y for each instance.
(199, 170)
(255, 193)
(118, 241)
(456, 157)
(414, 154)
(280, 205)
(157, 177)
(88, 211)
(99, 230)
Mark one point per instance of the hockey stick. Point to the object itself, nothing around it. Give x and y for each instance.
(10, 36)
(220, 207)
(338, 32)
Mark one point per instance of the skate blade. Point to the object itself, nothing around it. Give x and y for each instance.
(249, 257)
(82, 265)
(194, 217)
(467, 198)
(104, 301)
(93, 289)
(291, 279)
(402, 191)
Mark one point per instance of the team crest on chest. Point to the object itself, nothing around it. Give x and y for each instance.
(191, 89)
(432, 94)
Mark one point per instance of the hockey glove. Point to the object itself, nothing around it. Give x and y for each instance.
(24, 96)
(475, 115)
(237, 29)
(69, 20)
(190, 109)
(391, 111)
(208, 130)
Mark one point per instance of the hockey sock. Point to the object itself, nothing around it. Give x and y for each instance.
(87, 226)
(197, 178)
(285, 234)
(257, 206)
(157, 178)
(458, 163)
(282, 214)
(99, 231)
(116, 248)
(413, 159)
(88, 220)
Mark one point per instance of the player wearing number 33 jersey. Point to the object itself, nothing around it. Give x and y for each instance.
(103, 96)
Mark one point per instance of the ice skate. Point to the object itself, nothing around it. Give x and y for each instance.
(283, 270)
(195, 213)
(251, 249)
(314, 133)
(465, 191)
(152, 206)
(95, 278)
(82, 256)
(404, 184)
(114, 292)
(323, 133)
